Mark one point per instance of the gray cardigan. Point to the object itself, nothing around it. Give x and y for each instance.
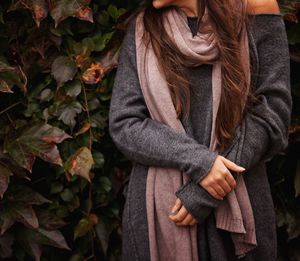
(263, 134)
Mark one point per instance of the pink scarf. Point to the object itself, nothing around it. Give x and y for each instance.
(167, 240)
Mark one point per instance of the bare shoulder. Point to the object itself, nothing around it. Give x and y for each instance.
(262, 6)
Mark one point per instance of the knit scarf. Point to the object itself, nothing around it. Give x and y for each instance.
(168, 241)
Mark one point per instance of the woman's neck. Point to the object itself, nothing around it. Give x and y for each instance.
(189, 7)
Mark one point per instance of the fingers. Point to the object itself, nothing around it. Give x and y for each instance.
(213, 193)
(230, 180)
(219, 190)
(183, 217)
(231, 165)
(176, 207)
(186, 221)
(180, 215)
(225, 185)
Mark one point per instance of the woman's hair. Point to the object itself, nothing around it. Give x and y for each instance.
(228, 17)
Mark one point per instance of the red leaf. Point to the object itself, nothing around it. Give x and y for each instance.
(26, 215)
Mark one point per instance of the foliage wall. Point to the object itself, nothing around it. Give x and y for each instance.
(61, 178)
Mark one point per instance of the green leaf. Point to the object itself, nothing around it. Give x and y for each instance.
(113, 11)
(101, 41)
(80, 163)
(46, 95)
(82, 228)
(67, 112)
(105, 184)
(67, 195)
(73, 89)
(103, 18)
(103, 232)
(98, 159)
(63, 70)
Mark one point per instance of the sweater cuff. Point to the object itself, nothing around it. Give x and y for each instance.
(197, 200)
(207, 161)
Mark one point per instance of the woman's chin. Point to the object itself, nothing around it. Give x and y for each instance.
(157, 4)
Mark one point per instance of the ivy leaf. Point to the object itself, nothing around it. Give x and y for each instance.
(6, 242)
(38, 8)
(68, 111)
(101, 41)
(63, 69)
(94, 73)
(34, 141)
(99, 159)
(32, 240)
(49, 220)
(10, 76)
(4, 87)
(82, 228)
(103, 231)
(80, 163)
(76, 8)
(5, 173)
(17, 207)
(73, 89)
(85, 225)
(12, 166)
(27, 216)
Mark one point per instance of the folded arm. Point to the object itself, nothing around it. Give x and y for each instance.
(143, 139)
(264, 130)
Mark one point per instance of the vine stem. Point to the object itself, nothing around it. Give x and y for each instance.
(90, 147)
(10, 107)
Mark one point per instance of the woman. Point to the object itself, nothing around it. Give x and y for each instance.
(216, 151)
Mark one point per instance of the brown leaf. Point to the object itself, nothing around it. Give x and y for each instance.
(5, 173)
(85, 13)
(49, 220)
(40, 11)
(86, 126)
(4, 87)
(27, 216)
(37, 140)
(80, 163)
(94, 74)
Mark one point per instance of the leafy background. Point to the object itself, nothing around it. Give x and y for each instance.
(61, 177)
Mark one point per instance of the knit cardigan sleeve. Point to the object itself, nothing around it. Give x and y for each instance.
(142, 139)
(264, 131)
(262, 134)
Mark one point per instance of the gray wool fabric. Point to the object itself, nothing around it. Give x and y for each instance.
(147, 142)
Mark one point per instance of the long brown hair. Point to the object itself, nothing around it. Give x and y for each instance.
(229, 18)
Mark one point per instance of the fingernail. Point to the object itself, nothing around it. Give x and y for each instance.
(242, 168)
(174, 210)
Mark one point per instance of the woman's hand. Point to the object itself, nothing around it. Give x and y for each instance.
(219, 180)
(181, 216)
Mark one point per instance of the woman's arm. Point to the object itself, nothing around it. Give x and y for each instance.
(264, 131)
(142, 139)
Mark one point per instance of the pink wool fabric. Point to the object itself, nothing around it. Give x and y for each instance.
(167, 240)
